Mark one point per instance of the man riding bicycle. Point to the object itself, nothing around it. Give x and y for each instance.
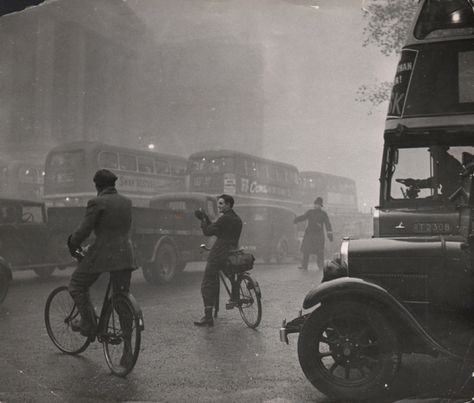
(109, 216)
(227, 229)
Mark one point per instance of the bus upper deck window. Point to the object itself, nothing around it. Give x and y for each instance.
(108, 160)
(145, 165)
(178, 168)
(128, 162)
(445, 18)
(162, 167)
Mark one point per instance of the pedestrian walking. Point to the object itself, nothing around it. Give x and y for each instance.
(313, 240)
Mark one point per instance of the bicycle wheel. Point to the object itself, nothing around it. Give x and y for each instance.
(121, 337)
(250, 305)
(59, 312)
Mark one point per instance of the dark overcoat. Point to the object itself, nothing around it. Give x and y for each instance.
(313, 240)
(227, 229)
(109, 216)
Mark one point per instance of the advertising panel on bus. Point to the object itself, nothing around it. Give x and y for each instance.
(250, 179)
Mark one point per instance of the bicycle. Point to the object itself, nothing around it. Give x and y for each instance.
(249, 298)
(116, 331)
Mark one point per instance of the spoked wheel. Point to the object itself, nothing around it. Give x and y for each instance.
(250, 304)
(59, 312)
(122, 336)
(348, 350)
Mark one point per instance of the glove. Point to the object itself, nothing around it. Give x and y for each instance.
(199, 214)
(72, 248)
(330, 236)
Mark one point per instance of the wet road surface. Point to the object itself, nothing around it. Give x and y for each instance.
(179, 362)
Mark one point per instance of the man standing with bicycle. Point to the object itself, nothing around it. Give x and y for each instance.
(227, 229)
(109, 216)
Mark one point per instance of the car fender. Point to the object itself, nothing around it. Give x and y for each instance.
(354, 288)
(162, 240)
(5, 267)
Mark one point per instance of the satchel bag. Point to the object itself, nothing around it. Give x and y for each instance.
(240, 262)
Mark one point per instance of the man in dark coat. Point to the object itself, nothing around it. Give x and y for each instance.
(109, 216)
(227, 229)
(313, 240)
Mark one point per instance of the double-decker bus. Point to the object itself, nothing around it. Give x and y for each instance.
(142, 174)
(429, 131)
(338, 192)
(248, 178)
(21, 179)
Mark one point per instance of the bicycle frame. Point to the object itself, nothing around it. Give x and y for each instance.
(233, 282)
(109, 299)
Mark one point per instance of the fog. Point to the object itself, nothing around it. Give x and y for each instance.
(273, 78)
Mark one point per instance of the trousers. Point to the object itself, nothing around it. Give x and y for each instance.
(79, 286)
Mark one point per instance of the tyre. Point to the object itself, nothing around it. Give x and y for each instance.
(281, 252)
(45, 272)
(348, 350)
(4, 284)
(59, 312)
(121, 336)
(165, 266)
(250, 304)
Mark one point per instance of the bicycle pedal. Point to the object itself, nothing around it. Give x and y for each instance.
(230, 305)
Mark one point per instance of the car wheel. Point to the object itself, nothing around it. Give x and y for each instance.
(165, 266)
(348, 350)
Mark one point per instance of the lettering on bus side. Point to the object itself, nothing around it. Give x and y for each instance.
(401, 83)
(149, 185)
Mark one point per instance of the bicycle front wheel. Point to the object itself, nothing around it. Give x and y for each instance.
(250, 304)
(59, 312)
(122, 335)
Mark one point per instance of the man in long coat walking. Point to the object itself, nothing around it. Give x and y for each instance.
(313, 240)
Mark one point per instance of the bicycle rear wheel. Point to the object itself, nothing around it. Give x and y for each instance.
(59, 312)
(122, 335)
(250, 304)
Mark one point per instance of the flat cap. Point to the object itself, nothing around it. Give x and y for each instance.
(104, 177)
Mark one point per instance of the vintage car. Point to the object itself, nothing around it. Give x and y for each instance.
(382, 298)
(268, 232)
(409, 289)
(25, 241)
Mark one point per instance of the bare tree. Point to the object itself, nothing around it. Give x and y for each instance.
(387, 26)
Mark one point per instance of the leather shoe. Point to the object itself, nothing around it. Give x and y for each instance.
(231, 304)
(204, 321)
(78, 326)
